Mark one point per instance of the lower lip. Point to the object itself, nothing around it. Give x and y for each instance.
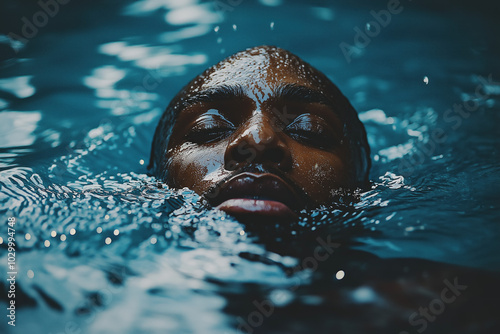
(255, 208)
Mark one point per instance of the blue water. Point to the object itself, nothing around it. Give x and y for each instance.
(102, 247)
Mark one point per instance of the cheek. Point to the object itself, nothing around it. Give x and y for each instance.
(191, 165)
(319, 172)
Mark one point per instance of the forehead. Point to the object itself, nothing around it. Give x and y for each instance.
(259, 72)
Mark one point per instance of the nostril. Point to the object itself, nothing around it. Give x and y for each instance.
(231, 165)
(240, 153)
(274, 154)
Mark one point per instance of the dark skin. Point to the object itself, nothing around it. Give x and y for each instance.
(261, 134)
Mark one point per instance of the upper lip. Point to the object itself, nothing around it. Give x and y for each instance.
(263, 186)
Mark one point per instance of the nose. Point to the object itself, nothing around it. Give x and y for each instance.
(258, 141)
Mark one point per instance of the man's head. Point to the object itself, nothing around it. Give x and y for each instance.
(262, 134)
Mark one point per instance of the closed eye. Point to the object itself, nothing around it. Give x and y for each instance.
(313, 131)
(208, 129)
(208, 135)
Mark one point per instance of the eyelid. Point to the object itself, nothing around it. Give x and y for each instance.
(311, 119)
(313, 130)
(208, 128)
(211, 118)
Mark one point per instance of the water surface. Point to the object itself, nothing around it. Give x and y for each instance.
(103, 247)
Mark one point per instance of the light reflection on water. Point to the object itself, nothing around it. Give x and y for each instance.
(98, 238)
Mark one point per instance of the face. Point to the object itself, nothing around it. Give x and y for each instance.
(261, 136)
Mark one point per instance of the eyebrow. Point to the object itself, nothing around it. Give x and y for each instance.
(218, 93)
(290, 92)
(298, 93)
